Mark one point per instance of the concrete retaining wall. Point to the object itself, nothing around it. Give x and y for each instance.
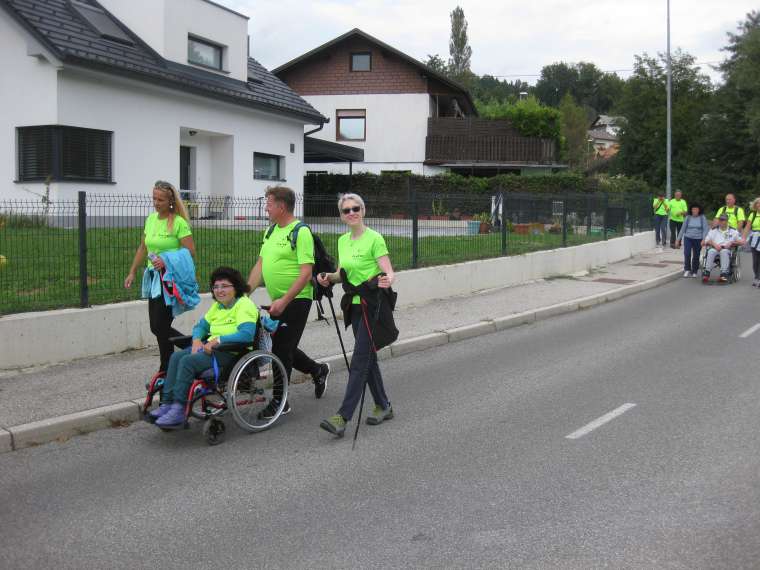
(57, 336)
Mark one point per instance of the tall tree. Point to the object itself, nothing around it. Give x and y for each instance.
(436, 63)
(460, 51)
(574, 129)
(590, 87)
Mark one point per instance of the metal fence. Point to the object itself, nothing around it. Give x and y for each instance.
(77, 253)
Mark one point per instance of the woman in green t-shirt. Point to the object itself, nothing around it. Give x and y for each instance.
(752, 230)
(166, 229)
(363, 255)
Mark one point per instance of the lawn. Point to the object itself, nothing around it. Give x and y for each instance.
(42, 268)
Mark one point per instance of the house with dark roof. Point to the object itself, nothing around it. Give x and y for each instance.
(403, 114)
(603, 135)
(107, 96)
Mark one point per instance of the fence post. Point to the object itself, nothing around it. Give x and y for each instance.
(604, 215)
(503, 224)
(84, 291)
(412, 192)
(564, 221)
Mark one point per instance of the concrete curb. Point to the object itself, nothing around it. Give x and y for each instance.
(64, 427)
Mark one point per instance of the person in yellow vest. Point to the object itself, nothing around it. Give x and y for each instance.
(735, 214)
(752, 229)
(676, 214)
(660, 210)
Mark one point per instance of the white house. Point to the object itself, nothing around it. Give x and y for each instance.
(109, 96)
(405, 116)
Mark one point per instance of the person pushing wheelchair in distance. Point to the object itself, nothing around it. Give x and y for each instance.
(719, 241)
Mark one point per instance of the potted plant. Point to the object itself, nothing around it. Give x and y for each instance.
(438, 212)
(485, 222)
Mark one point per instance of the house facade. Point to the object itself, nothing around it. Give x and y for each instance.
(109, 96)
(604, 135)
(405, 116)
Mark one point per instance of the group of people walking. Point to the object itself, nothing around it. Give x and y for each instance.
(730, 228)
(284, 267)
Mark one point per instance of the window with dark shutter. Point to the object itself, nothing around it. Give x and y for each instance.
(64, 154)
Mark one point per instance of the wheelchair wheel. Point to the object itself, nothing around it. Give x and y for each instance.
(214, 431)
(250, 390)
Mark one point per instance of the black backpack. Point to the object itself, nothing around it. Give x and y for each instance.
(323, 261)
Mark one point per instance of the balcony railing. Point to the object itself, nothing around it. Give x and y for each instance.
(483, 140)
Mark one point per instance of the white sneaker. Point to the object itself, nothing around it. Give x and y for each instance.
(687, 273)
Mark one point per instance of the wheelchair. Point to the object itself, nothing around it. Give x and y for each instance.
(245, 388)
(734, 268)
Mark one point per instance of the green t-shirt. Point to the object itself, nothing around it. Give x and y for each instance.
(359, 256)
(735, 215)
(660, 207)
(159, 239)
(281, 264)
(754, 219)
(678, 209)
(223, 321)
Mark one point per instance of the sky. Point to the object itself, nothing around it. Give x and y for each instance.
(509, 38)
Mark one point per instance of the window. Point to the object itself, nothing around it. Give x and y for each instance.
(361, 61)
(266, 166)
(351, 124)
(101, 23)
(64, 153)
(206, 54)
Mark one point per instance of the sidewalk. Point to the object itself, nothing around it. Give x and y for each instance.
(51, 392)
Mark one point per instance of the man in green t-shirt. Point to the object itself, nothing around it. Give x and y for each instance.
(660, 210)
(735, 214)
(285, 266)
(676, 214)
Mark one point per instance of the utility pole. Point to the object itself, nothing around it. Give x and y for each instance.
(668, 166)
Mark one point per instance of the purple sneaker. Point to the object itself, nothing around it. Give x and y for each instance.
(173, 418)
(160, 410)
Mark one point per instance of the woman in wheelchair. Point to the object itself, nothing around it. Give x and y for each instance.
(720, 241)
(231, 319)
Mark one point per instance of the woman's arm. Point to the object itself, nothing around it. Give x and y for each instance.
(188, 243)
(386, 280)
(136, 262)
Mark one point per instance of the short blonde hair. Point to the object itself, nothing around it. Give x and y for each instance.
(350, 196)
(754, 204)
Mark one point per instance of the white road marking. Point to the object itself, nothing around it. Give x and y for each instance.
(588, 428)
(751, 330)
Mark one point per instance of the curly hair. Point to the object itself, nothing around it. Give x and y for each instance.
(233, 276)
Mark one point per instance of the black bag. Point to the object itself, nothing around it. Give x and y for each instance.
(323, 261)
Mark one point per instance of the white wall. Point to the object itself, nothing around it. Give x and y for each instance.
(377, 167)
(396, 125)
(147, 123)
(28, 94)
(165, 25)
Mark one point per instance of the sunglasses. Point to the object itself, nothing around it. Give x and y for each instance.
(355, 210)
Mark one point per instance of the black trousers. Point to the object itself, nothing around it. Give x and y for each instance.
(285, 342)
(161, 318)
(675, 227)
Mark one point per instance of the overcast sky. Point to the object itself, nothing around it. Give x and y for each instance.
(509, 38)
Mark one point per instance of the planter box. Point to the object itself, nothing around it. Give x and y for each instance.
(521, 229)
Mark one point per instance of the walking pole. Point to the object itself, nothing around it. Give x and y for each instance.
(366, 374)
(328, 294)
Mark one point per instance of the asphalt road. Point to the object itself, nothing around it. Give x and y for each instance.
(476, 470)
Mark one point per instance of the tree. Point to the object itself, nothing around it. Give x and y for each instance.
(460, 51)
(643, 137)
(590, 87)
(436, 63)
(574, 129)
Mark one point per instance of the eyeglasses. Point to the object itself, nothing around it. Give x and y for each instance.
(354, 209)
(221, 287)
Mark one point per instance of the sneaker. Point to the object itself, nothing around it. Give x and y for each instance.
(694, 275)
(723, 278)
(173, 418)
(755, 282)
(687, 273)
(336, 425)
(320, 380)
(705, 277)
(159, 411)
(271, 409)
(379, 415)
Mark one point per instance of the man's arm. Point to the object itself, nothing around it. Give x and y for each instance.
(254, 278)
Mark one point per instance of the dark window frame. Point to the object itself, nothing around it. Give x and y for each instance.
(62, 153)
(278, 177)
(351, 61)
(338, 119)
(205, 42)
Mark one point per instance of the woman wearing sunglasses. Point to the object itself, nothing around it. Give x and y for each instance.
(167, 229)
(362, 258)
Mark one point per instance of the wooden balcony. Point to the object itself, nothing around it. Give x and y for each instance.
(451, 140)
